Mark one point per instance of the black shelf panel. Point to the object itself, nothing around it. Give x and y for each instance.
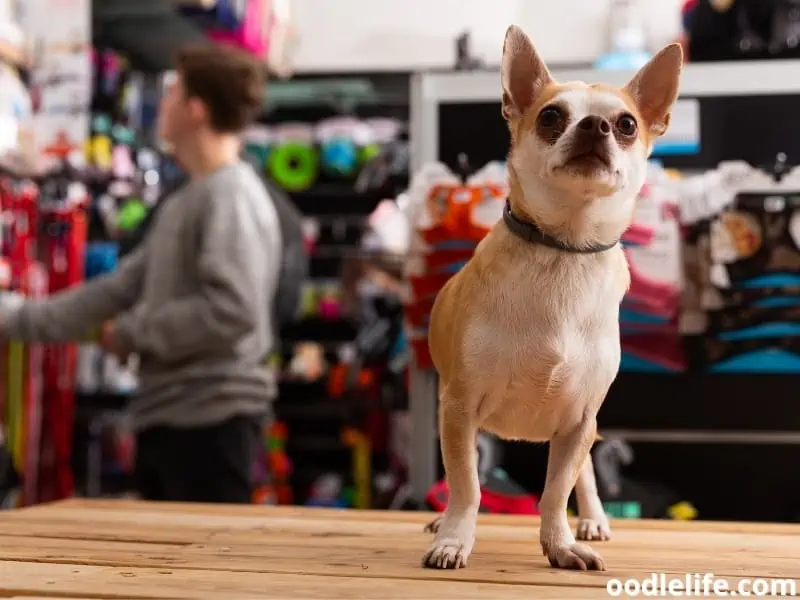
(331, 200)
(328, 409)
(754, 140)
(322, 330)
(328, 267)
(703, 401)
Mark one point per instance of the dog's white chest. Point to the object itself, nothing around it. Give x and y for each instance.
(549, 352)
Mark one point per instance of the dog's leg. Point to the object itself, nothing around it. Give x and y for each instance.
(568, 453)
(455, 534)
(433, 526)
(592, 519)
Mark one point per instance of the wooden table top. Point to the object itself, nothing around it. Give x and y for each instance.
(110, 549)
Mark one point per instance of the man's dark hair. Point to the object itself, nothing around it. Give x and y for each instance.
(228, 81)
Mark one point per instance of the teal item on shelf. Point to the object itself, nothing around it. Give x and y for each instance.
(101, 124)
(623, 510)
(340, 157)
(122, 134)
(259, 153)
(627, 60)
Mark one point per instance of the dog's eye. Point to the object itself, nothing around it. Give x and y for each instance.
(550, 117)
(626, 125)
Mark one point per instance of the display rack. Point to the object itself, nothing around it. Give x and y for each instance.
(747, 112)
(314, 417)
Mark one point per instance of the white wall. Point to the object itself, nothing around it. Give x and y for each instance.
(342, 35)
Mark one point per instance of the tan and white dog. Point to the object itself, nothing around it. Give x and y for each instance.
(525, 337)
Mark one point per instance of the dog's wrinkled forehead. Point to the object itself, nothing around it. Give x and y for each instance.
(579, 101)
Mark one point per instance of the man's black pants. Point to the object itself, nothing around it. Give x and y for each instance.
(203, 464)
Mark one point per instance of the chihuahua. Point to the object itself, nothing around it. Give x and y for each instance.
(525, 337)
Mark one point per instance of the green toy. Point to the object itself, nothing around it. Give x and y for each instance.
(294, 166)
(131, 215)
(369, 152)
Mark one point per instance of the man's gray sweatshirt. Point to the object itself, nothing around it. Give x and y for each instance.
(194, 301)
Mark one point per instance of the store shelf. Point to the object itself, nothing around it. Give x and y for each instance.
(744, 78)
(120, 24)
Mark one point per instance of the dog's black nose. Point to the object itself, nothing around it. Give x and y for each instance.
(595, 125)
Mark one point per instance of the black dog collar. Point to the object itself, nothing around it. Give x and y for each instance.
(530, 232)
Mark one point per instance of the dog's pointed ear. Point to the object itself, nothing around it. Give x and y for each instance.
(524, 73)
(655, 88)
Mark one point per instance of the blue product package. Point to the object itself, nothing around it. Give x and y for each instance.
(225, 14)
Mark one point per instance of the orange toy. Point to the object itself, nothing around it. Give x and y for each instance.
(456, 212)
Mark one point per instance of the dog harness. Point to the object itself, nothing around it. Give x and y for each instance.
(530, 232)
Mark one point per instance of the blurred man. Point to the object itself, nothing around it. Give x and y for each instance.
(194, 299)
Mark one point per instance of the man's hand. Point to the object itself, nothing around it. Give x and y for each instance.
(109, 343)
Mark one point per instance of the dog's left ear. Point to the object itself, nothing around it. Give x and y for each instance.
(524, 73)
(655, 87)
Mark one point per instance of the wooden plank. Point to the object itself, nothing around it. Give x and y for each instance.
(166, 526)
(26, 579)
(112, 532)
(383, 516)
(306, 521)
(491, 562)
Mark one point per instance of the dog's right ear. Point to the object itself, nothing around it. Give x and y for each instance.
(523, 73)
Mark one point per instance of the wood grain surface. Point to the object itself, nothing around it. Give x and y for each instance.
(93, 550)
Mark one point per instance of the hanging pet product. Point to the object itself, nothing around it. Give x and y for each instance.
(341, 142)
(249, 33)
(449, 217)
(280, 37)
(257, 146)
(99, 145)
(650, 308)
(384, 131)
(219, 14)
(385, 158)
(293, 163)
(742, 264)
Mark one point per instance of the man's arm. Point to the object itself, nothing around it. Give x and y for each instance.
(224, 310)
(72, 313)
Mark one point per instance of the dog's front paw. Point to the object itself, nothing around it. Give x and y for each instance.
(433, 526)
(574, 556)
(597, 530)
(448, 553)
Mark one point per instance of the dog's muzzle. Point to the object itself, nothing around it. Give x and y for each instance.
(591, 143)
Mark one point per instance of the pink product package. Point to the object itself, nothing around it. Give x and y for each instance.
(251, 35)
(639, 235)
(665, 350)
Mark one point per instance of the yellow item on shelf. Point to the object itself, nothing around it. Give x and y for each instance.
(682, 511)
(100, 151)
